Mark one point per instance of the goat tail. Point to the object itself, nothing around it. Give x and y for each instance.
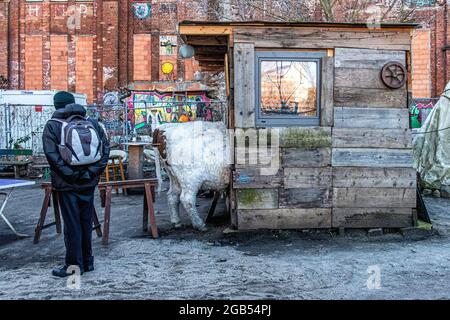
(158, 169)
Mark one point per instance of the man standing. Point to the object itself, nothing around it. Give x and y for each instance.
(77, 150)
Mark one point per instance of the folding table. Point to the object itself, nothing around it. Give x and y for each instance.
(10, 185)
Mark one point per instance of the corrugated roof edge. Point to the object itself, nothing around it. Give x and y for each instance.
(296, 24)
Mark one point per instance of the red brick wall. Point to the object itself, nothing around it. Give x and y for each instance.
(84, 70)
(88, 46)
(4, 39)
(421, 62)
(142, 70)
(110, 57)
(190, 67)
(58, 56)
(33, 63)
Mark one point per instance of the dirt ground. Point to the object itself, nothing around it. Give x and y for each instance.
(184, 264)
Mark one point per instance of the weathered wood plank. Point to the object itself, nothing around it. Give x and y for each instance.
(324, 38)
(257, 199)
(384, 158)
(361, 78)
(244, 85)
(305, 198)
(374, 198)
(307, 178)
(370, 98)
(255, 178)
(376, 138)
(372, 217)
(308, 137)
(366, 58)
(297, 158)
(257, 158)
(376, 118)
(284, 219)
(327, 94)
(352, 177)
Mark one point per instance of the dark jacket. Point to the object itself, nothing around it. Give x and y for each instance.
(65, 177)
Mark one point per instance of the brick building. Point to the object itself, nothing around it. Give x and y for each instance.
(93, 46)
(431, 55)
(98, 46)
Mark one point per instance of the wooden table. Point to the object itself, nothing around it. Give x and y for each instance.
(148, 185)
(51, 195)
(20, 167)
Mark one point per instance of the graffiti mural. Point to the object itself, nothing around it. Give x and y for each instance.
(151, 108)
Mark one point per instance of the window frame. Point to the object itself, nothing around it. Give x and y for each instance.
(288, 120)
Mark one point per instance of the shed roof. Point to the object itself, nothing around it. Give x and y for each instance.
(212, 38)
(296, 24)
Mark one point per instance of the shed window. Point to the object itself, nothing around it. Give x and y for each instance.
(288, 88)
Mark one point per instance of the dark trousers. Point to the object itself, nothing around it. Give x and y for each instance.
(77, 209)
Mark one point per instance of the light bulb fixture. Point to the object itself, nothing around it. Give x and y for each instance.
(187, 51)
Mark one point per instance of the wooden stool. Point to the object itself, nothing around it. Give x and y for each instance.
(51, 194)
(149, 199)
(117, 171)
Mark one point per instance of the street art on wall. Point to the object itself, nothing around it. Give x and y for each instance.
(153, 108)
(167, 45)
(420, 3)
(142, 11)
(167, 67)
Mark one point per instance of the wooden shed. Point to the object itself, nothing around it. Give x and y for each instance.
(336, 96)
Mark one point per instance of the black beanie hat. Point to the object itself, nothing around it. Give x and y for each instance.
(62, 99)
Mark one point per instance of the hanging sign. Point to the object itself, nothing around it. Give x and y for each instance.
(142, 10)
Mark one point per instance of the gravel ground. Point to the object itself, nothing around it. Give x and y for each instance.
(185, 264)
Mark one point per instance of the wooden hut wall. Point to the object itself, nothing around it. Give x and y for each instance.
(353, 171)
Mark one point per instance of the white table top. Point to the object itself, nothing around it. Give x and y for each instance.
(136, 144)
(12, 183)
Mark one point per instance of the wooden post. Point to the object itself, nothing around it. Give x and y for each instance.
(57, 212)
(97, 225)
(135, 162)
(44, 209)
(145, 215)
(107, 215)
(122, 174)
(212, 209)
(151, 211)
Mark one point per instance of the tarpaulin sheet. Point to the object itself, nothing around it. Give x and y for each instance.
(432, 145)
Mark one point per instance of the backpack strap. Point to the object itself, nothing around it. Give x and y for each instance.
(63, 129)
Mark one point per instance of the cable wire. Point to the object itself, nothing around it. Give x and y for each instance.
(431, 131)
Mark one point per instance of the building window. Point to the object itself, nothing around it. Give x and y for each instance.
(288, 88)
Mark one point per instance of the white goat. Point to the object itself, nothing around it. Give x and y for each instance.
(196, 156)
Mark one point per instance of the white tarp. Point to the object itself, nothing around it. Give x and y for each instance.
(432, 145)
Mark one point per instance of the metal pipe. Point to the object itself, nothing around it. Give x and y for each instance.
(8, 125)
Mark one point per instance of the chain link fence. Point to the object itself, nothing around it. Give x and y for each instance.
(21, 126)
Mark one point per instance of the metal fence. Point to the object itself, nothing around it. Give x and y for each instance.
(21, 126)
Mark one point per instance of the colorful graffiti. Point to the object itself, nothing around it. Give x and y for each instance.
(152, 108)
(142, 10)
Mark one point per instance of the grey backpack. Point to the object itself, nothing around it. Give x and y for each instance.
(80, 141)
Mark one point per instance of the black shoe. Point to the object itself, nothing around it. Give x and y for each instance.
(89, 268)
(61, 272)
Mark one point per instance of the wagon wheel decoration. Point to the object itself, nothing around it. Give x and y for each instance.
(394, 75)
